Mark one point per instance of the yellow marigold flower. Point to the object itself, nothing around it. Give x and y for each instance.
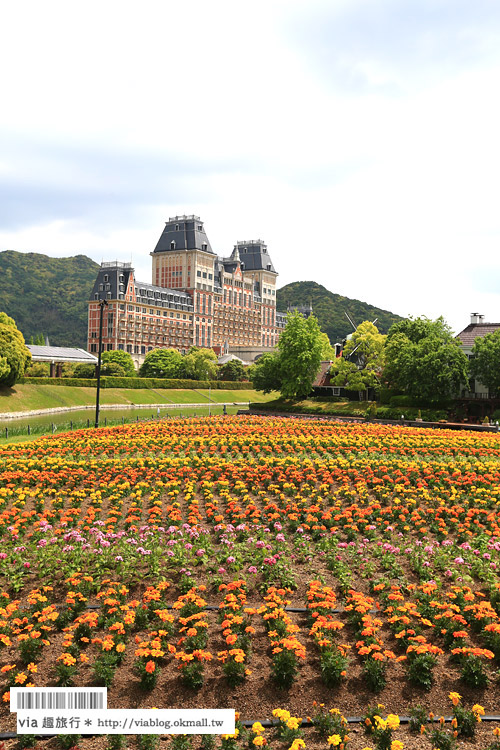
(259, 741)
(257, 727)
(335, 740)
(455, 698)
(297, 744)
(392, 721)
(293, 723)
(396, 745)
(476, 709)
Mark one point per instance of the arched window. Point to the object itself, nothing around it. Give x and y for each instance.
(172, 245)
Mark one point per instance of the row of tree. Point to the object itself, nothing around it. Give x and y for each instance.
(418, 357)
(197, 364)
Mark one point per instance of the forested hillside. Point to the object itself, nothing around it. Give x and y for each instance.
(330, 309)
(47, 295)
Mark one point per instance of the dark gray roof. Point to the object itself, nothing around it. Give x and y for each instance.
(254, 256)
(60, 354)
(183, 233)
(112, 279)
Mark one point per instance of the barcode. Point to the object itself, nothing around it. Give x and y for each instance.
(58, 699)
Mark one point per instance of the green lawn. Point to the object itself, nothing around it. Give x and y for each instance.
(27, 397)
(222, 396)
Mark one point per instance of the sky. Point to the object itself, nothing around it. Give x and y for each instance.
(358, 138)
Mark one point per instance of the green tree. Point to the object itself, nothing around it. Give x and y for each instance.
(265, 374)
(362, 362)
(38, 370)
(232, 370)
(200, 364)
(112, 369)
(300, 349)
(423, 359)
(485, 366)
(118, 357)
(84, 370)
(14, 356)
(162, 363)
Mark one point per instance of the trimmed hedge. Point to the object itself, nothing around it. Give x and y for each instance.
(382, 412)
(109, 381)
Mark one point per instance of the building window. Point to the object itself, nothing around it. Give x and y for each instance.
(204, 246)
(172, 245)
(106, 277)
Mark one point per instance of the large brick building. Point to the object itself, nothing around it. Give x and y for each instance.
(197, 298)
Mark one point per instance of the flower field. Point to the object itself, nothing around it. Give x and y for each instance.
(259, 564)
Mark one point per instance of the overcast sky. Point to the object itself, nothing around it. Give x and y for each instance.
(358, 138)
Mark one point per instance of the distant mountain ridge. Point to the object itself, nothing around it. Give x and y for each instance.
(330, 308)
(47, 295)
(50, 296)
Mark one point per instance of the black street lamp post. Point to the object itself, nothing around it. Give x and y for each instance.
(102, 305)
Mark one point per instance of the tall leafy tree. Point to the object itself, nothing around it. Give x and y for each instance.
(301, 347)
(232, 370)
(14, 356)
(162, 363)
(265, 374)
(362, 362)
(485, 366)
(423, 359)
(118, 357)
(200, 364)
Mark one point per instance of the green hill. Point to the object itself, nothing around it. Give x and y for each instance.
(330, 309)
(47, 295)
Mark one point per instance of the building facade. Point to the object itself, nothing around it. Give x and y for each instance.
(197, 298)
(477, 328)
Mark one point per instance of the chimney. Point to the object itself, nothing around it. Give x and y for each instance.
(476, 319)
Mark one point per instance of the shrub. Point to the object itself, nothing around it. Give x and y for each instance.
(116, 382)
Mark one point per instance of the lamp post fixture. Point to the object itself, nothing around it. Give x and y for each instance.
(102, 304)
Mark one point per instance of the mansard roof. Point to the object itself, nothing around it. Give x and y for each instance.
(254, 256)
(183, 233)
(109, 277)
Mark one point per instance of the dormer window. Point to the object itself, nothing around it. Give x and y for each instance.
(172, 245)
(200, 227)
(204, 246)
(106, 277)
(176, 227)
